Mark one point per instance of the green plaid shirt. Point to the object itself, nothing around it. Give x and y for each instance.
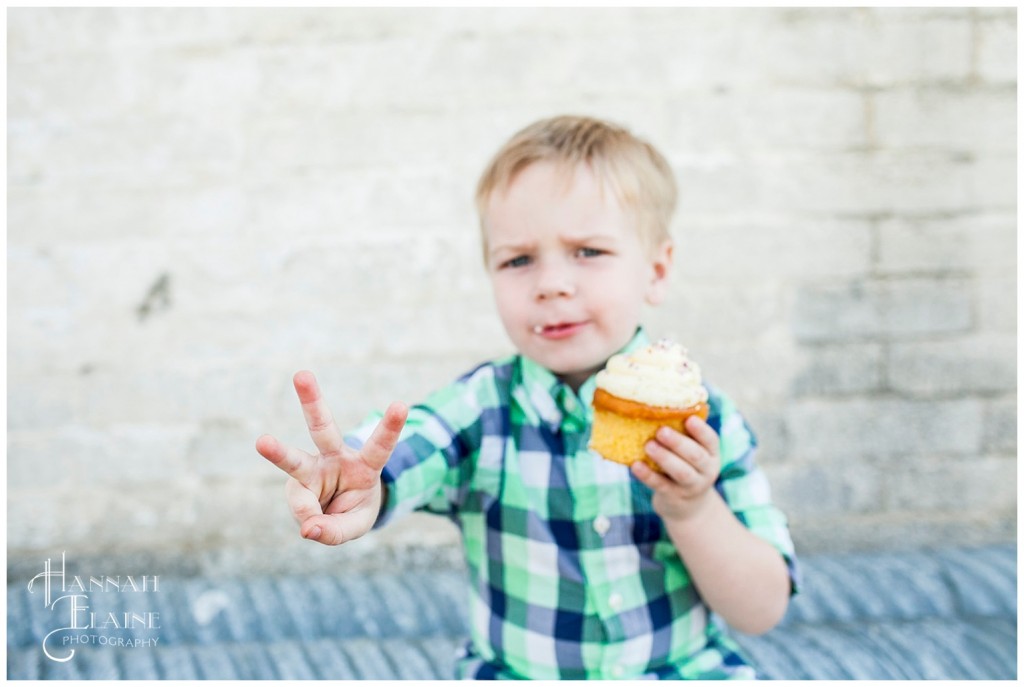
(572, 573)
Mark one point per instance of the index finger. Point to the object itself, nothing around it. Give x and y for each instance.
(296, 463)
(318, 416)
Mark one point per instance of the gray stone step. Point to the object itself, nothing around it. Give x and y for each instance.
(352, 659)
(202, 610)
(925, 649)
(934, 648)
(947, 614)
(905, 585)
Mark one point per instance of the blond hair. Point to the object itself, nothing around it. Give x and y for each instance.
(632, 168)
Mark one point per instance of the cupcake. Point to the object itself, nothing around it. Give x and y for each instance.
(637, 393)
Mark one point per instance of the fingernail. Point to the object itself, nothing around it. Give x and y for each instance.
(314, 533)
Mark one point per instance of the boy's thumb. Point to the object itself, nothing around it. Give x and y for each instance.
(330, 530)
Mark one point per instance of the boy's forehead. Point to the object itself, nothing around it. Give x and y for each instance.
(553, 198)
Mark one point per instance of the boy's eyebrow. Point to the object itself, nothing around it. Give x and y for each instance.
(512, 247)
(523, 246)
(586, 238)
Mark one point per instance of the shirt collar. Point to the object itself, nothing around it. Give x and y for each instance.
(551, 399)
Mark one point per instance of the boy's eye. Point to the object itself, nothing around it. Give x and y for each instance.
(518, 261)
(588, 253)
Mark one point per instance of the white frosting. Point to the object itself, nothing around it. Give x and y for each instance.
(661, 374)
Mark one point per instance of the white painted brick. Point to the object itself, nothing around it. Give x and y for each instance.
(719, 308)
(59, 93)
(561, 20)
(41, 401)
(756, 46)
(125, 455)
(853, 429)
(39, 214)
(119, 518)
(993, 183)
(32, 523)
(997, 47)
(979, 364)
(182, 393)
(898, 308)
(139, 153)
(319, 25)
(946, 119)
(960, 244)
(39, 459)
(997, 304)
(908, 45)
(874, 46)
(766, 247)
(305, 179)
(164, 513)
(821, 490)
(759, 118)
(858, 184)
(492, 66)
(970, 484)
(246, 512)
(47, 32)
(768, 423)
(900, 531)
(1000, 429)
(754, 370)
(840, 369)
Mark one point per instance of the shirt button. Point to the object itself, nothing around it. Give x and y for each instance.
(602, 525)
(615, 601)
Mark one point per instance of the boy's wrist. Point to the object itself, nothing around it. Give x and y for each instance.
(694, 513)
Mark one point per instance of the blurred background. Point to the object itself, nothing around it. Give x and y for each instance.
(203, 201)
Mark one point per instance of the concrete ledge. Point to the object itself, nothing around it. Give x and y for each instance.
(948, 614)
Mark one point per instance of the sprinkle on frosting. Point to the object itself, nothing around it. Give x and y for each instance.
(660, 374)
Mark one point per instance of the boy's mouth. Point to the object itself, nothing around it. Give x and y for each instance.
(558, 330)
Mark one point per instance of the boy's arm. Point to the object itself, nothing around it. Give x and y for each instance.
(740, 575)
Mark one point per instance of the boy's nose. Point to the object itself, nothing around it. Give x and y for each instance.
(554, 283)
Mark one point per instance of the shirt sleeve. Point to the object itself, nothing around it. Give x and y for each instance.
(744, 486)
(431, 466)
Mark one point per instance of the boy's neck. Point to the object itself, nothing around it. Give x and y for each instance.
(577, 380)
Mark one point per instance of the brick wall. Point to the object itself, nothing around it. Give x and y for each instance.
(202, 201)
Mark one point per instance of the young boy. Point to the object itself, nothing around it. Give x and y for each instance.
(579, 567)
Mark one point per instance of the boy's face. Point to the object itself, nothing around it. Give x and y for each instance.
(569, 270)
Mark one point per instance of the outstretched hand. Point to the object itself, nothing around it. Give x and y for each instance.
(335, 495)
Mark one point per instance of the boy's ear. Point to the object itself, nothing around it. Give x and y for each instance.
(661, 269)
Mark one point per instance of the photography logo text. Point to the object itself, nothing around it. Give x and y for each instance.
(72, 599)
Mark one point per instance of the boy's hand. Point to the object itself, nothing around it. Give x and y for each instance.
(336, 494)
(690, 465)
